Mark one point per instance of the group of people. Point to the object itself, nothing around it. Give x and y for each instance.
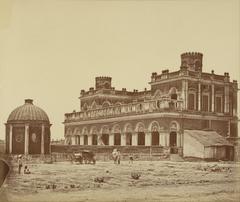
(116, 155)
(20, 165)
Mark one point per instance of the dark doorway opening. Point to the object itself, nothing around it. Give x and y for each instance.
(94, 139)
(105, 139)
(141, 138)
(155, 138)
(229, 153)
(128, 139)
(173, 143)
(78, 140)
(117, 139)
(85, 140)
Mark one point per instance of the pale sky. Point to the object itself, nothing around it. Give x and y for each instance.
(51, 49)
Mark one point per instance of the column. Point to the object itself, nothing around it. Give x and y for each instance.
(42, 139)
(229, 129)
(213, 98)
(10, 138)
(90, 139)
(134, 139)
(73, 140)
(226, 98)
(111, 139)
(162, 138)
(199, 96)
(81, 140)
(185, 93)
(123, 139)
(26, 145)
(178, 139)
(148, 138)
(99, 141)
(167, 139)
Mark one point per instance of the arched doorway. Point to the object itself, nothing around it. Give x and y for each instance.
(141, 138)
(85, 140)
(128, 138)
(173, 142)
(105, 139)
(94, 139)
(155, 138)
(117, 139)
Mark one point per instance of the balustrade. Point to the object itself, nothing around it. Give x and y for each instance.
(133, 108)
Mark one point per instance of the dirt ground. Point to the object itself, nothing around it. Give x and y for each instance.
(158, 181)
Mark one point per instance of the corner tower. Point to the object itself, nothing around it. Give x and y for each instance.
(103, 82)
(192, 61)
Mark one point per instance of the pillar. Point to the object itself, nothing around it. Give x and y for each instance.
(73, 140)
(178, 140)
(213, 98)
(134, 139)
(199, 96)
(10, 138)
(185, 93)
(162, 141)
(229, 129)
(81, 140)
(167, 139)
(123, 139)
(42, 139)
(26, 145)
(111, 139)
(226, 98)
(90, 139)
(148, 138)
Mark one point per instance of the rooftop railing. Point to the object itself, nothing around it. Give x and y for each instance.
(150, 106)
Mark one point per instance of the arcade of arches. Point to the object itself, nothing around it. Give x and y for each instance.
(128, 135)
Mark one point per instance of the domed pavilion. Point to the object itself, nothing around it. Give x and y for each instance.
(28, 130)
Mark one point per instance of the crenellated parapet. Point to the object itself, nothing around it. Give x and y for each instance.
(192, 61)
(103, 82)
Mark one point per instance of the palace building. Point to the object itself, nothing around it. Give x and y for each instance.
(188, 111)
(28, 130)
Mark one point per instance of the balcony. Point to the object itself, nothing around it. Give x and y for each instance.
(145, 107)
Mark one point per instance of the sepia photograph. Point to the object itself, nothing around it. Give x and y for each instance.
(119, 100)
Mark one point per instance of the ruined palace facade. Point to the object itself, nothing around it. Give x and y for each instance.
(187, 99)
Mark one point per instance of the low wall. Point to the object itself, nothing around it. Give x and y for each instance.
(103, 153)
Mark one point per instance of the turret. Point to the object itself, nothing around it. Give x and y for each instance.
(192, 61)
(103, 82)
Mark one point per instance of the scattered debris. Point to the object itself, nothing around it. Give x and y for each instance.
(52, 186)
(214, 168)
(135, 175)
(99, 179)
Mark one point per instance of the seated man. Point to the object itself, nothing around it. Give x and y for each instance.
(130, 158)
(26, 170)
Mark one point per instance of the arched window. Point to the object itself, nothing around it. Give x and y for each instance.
(106, 104)
(173, 93)
(192, 99)
(174, 96)
(94, 105)
(106, 85)
(85, 107)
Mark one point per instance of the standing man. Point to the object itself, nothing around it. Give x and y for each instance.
(118, 156)
(20, 164)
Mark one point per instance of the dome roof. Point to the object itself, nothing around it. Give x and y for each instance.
(28, 112)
